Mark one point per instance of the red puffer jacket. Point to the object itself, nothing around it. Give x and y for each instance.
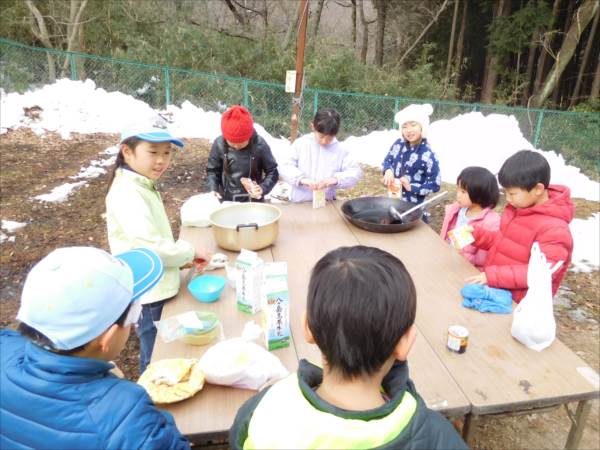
(509, 249)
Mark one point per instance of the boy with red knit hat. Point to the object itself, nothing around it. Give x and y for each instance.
(240, 165)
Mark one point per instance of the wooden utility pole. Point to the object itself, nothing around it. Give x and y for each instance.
(300, 44)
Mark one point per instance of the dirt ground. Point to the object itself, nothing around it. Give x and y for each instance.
(30, 166)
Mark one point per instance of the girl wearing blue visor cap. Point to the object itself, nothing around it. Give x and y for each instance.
(136, 217)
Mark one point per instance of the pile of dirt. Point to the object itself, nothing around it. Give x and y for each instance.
(33, 165)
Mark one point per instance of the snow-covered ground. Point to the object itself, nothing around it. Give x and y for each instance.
(466, 140)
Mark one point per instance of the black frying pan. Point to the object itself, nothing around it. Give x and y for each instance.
(372, 214)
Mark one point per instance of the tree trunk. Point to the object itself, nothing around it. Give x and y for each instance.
(595, 91)
(292, 28)
(317, 19)
(365, 33)
(238, 16)
(429, 25)
(73, 27)
(491, 75)
(586, 55)
(353, 22)
(581, 19)
(381, 8)
(557, 89)
(545, 50)
(451, 45)
(529, 72)
(461, 42)
(41, 33)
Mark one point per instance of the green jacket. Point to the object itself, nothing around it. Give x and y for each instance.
(290, 414)
(136, 217)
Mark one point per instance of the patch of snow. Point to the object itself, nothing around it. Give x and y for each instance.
(586, 248)
(60, 193)
(11, 226)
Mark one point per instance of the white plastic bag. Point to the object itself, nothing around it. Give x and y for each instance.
(533, 321)
(239, 363)
(196, 210)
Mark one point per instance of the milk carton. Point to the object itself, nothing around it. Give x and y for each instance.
(318, 199)
(276, 306)
(248, 281)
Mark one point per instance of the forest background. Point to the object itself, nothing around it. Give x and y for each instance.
(537, 53)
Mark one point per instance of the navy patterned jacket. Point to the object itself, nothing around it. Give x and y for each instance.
(420, 165)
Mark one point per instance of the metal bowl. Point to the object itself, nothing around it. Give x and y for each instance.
(252, 226)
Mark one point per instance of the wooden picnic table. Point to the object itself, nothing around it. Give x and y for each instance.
(496, 374)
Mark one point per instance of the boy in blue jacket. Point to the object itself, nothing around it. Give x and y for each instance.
(77, 308)
(363, 396)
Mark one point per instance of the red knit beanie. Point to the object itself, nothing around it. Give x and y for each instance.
(237, 125)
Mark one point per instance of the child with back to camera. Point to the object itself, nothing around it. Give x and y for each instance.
(363, 396)
(536, 211)
(410, 159)
(77, 309)
(477, 194)
(318, 161)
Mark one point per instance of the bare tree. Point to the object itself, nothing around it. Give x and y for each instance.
(427, 27)
(586, 55)
(365, 32)
(239, 17)
(451, 44)
(491, 72)
(353, 2)
(381, 7)
(293, 27)
(595, 90)
(581, 19)
(546, 49)
(68, 41)
(460, 45)
(317, 19)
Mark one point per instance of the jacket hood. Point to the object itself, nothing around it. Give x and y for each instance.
(558, 205)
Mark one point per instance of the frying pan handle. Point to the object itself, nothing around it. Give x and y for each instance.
(430, 202)
(246, 225)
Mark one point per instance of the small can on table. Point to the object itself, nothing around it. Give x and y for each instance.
(458, 339)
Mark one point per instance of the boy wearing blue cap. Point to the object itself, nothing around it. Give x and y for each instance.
(77, 308)
(136, 217)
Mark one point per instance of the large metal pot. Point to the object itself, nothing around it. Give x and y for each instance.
(252, 226)
(373, 214)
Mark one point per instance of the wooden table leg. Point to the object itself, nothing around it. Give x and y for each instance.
(467, 427)
(577, 423)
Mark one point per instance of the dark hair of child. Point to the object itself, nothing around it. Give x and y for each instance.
(42, 340)
(481, 185)
(132, 143)
(361, 301)
(524, 170)
(327, 122)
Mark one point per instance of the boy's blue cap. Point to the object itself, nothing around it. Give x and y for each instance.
(151, 134)
(75, 294)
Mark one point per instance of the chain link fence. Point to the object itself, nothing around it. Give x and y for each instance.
(575, 135)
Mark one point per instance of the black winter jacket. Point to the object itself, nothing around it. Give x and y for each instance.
(427, 429)
(227, 166)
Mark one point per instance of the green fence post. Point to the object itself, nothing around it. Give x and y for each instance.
(315, 102)
(73, 64)
(167, 76)
(538, 129)
(245, 87)
(396, 108)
